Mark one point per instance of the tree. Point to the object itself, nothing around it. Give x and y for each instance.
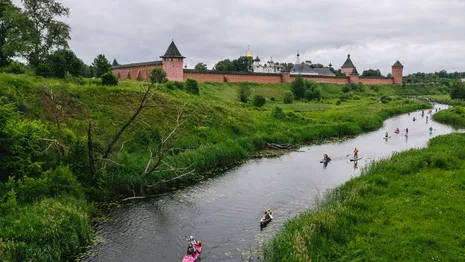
(101, 65)
(298, 87)
(457, 90)
(287, 66)
(259, 100)
(242, 64)
(46, 33)
(223, 65)
(158, 76)
(192, 86)
(339, 73)
(244, 92)
(288, 97)
(200, 67)
(109, 79)
(389, 75)
(372, 72)
(13, 31)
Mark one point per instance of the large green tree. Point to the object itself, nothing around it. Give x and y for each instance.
(46, 33)
(223, 65)
(60, 62)
(242, 64)
(372, 72)
(200, 67)
(13, 31)
(101, 65)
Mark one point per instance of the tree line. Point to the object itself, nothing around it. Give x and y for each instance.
(35, 34)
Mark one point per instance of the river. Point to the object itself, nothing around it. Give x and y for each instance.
(224, 212)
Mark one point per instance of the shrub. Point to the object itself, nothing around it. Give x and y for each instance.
(45, 70)
(16, 68)
(356, 97)
(273, 99)
(338, 102)
(345, 96)
(179, 85)
(288, 97)
(170, 85)
(259, 100)
(243, 93)
(385, 99)
(158, 76)
(109, 79)
(346, 89)
(277, 112)
(298, 87)
(192, 86)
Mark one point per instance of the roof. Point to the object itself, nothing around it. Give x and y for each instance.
(348, 63)
(354, 71)
(115, 63)
(172, 52)
(324, 71)
(257, 59)
(150, 63)
(397, 63)
(303, 69)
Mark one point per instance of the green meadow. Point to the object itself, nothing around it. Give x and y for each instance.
(405, 208)
(47, 189)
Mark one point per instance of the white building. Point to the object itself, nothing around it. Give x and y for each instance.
(268, 67)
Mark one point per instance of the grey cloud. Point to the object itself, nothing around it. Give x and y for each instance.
(424, 35)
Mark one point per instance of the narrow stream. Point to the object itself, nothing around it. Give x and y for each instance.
(224, 212)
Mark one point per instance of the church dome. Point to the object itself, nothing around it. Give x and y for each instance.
(249, 54)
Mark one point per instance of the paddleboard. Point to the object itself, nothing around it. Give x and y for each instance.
(355, 159)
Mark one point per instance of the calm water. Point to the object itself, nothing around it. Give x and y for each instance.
(224, 212)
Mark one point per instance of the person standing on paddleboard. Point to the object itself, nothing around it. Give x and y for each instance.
(355, 153)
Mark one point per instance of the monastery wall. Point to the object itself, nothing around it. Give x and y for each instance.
(134, 72)
(233, 77)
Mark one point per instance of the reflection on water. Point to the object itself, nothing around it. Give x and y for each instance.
(224, 212)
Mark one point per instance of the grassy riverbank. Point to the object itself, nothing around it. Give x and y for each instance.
(454, 117)
(43, 144)
(406, 208)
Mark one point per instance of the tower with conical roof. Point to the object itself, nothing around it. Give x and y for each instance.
(348, 66)
(173, 63)
(397, 72)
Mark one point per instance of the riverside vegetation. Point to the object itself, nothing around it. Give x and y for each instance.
(47, 125)
(405, 208)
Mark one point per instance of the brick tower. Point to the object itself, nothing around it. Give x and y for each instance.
(348, 66)
(397, 72)
(173, 63)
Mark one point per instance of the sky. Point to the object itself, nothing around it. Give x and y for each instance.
(424, 35)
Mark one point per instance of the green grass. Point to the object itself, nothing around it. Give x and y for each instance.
(407, 208)
(219, 131)
(454, 117)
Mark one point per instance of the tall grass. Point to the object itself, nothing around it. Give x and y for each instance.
(407, 208)
(454, 116)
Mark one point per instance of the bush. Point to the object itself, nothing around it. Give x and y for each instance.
(385, 99)
(273, 99)
(345, 96)
(298, 87)
(259, 100)
(356, 97)
(170, 85)
(346, 89)
(158, 76)
(16, 68)
(338, 102)
(277, 112)
(45, 70)
(109, 79)
(288, 97)
(243, 93)
(192, 86)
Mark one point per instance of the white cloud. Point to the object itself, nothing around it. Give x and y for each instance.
(426, 35)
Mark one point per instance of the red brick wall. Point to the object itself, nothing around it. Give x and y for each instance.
(327, 79)
(174, 68)
(225, 77)
(347, 71)
(134, 71)
(376, 81)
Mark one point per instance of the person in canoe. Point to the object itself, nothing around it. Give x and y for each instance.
(397, 131)
(267, 214)
(355, 153)
(191, 250)
(326, 158)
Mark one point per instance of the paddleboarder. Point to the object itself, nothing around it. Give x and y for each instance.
(355, 154)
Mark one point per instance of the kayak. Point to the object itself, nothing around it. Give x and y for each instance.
(264, 221)
(189, 258)
(355, 159)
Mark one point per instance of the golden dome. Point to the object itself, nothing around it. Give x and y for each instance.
(249, 54)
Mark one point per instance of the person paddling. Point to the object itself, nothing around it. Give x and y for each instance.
(406, 131)
(431, 129)
(386, 134)
(355, 153)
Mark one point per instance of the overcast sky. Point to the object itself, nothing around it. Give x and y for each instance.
(425, 35)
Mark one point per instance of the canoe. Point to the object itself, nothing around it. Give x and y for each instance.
(264, 221)
(189, 258)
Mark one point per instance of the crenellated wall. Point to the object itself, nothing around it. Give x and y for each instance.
(134, 73)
